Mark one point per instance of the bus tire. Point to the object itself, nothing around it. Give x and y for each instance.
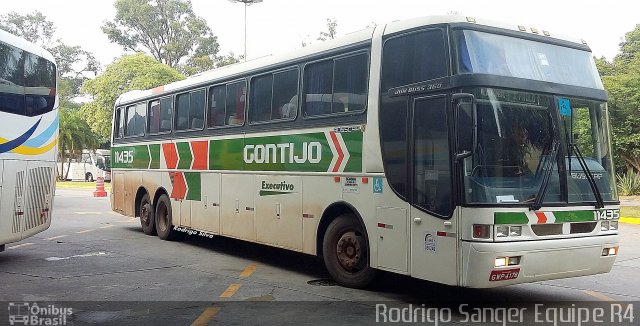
(147, 220)
(164, 226)
(2, 248)
(346, 252)
(88, 177)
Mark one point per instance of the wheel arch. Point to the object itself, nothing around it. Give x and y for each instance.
(331, 213)
(136, 203)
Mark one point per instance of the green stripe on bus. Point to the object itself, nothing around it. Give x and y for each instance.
(510, 218)
(194, 186)
(184, 152)
(226, 154)
(574, 216)
(154, 149)
(272, 193)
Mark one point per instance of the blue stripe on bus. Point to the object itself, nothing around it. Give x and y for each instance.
(12, 144)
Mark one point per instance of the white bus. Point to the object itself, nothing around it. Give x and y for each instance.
(89, 166)
(28, 138)
(446, 148)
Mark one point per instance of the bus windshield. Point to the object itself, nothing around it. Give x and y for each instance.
(486, 53)
(515, 137)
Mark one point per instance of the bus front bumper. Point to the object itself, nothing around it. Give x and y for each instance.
(538, 260)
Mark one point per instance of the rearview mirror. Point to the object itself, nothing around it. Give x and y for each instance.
(465, 124)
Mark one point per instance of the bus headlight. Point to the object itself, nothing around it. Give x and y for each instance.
(502, 231)
(481, 231)
(507, 261)
(613, 225)
(604, 225)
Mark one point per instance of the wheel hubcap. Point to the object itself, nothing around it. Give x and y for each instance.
(349, 251)
(163, 216)
(145, 214)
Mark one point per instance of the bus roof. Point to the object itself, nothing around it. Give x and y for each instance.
(362, 36)
(23, 44)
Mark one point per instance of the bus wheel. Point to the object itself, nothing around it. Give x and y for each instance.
(163, 218)
(146, 216)
(346, 253)
(88, 177)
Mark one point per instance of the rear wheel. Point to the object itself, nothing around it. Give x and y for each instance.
(345, 251)
(147, 216)
(1, 248)
(88, 177)
(164, 226)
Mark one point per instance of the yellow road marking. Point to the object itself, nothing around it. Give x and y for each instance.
(630, 220)
(107, 226)
(21, 245)
(58, 237)
(248, 271)
(231, 290)
(206, 316)
(85, 231)
(598, 295)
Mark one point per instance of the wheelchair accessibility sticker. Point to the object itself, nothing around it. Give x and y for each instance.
(377, 185)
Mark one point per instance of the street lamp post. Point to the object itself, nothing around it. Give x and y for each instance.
(246, 3)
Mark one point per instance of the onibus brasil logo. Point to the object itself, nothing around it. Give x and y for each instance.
(24, 313)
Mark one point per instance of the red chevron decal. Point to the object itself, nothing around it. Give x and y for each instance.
(336, 143)
(179, 186)
(200, 151)
(170, 155)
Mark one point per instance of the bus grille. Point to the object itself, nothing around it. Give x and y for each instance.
(586, 227)
(39, 192)
(17, 207)
(547, 229)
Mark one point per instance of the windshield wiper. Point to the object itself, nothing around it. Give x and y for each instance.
(592, 181)
(548, 169)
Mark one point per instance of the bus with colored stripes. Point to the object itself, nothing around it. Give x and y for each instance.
(28, 138)
(450, 149)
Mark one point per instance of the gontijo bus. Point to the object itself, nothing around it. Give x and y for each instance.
(449, 149)
(28, 138)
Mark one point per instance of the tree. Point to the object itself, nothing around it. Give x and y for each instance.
(332, 30)
(621, 79)
(75, 135)
(33, 27)
(129, 72)
(167, 29)
(72, 61)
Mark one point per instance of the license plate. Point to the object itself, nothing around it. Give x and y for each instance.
(503, 275)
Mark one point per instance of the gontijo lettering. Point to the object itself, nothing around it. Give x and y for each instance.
(283, 153)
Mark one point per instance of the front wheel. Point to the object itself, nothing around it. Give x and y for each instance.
(346, 252)
(164, 226)
(88, 177)
(147, 220)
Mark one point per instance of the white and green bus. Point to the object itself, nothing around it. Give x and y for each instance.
(448, 149)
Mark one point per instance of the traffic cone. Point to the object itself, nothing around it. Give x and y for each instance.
(100, 192)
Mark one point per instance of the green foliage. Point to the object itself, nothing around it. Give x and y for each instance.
(129, 72)
(33, 27)
(621, 79)
(169, 30)
(72, 61)
(75, 135)
(629, 184)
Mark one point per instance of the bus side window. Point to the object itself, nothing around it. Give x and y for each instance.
(217, 105)
(166, 111)
(350, 83)
(260, 104)
(154, 117)
(236, 95)
(182, 111)
(318, 89)
(196, 111)
(285, 95)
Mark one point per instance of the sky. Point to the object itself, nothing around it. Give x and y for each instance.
(277, 26)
